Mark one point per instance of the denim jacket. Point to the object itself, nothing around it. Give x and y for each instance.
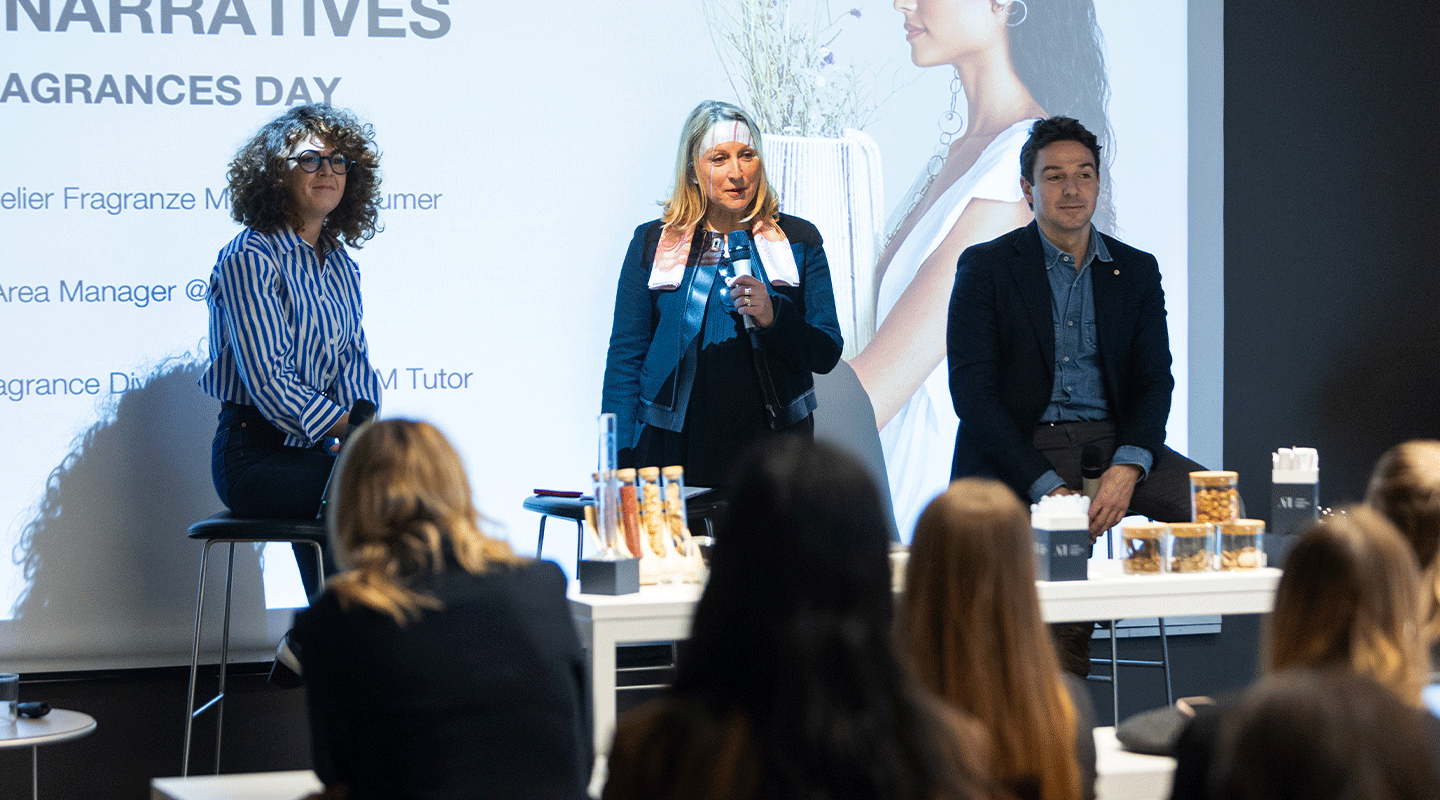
(654, 343)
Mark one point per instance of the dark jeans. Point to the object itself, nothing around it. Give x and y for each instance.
(1164, 496)
(256, 475)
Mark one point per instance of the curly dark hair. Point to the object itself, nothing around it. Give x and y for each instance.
(259, 198)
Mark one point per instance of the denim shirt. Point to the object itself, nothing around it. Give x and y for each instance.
(1079, 393)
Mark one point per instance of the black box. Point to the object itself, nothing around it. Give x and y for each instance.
(1061, 555)
(1294, 507)
(621, 576)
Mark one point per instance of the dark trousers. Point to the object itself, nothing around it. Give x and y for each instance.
(256, 475)
(1164, 496)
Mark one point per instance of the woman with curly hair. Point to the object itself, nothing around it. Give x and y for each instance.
(288, 355)
(438, 664)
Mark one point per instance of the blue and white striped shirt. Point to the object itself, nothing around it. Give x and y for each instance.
(285, 333)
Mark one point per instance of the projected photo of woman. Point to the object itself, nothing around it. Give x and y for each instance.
(704, 359)
(1013, 62)
(288, 355)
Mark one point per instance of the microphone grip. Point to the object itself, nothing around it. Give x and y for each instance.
(1090, 487)
(362, 412)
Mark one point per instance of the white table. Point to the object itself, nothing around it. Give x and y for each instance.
(1123, 775)
(57, 726)
(662, 613)
(244, 786)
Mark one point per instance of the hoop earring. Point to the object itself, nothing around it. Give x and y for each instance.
(1010, 12)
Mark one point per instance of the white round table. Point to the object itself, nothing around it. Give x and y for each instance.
(57, 726)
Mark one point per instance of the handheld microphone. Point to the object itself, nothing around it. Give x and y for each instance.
(360, 413)
(739, 242)
(1092, 466)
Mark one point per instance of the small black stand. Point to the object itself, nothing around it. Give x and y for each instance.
(612, 577)
(1294, 507)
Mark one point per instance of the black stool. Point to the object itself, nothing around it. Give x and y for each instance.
(703, 507)
(225, 528)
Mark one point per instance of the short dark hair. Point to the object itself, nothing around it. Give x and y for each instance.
(258, 198)
(1049, 131)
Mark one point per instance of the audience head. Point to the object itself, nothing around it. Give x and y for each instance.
(402, 511)
(1325, 735)
(259, 198)
(1405, 487)
(970, 625)
(793, 635)
(1349, 597)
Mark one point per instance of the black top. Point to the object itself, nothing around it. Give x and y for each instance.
(483, 698)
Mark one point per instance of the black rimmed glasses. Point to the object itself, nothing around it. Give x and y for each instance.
(310, 161)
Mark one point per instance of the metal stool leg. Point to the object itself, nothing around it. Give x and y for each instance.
(190, 711)
(1114, 675)
(1165, 663)
(540, 545)
(224, 652)
(579, 545)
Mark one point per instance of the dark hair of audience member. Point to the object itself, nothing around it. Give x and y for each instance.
(970, 624)
(1405, 487)
(403, 509)
(1326, 735)
(1349, 597)
(790, 686)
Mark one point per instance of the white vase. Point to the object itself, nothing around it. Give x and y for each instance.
(836, 184)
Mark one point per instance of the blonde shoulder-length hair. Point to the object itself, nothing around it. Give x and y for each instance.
(1350, 596)
(1405, 487)
(970, 625)
(401, 511)
(687, 204)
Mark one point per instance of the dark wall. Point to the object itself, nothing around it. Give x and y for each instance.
(1332, 235)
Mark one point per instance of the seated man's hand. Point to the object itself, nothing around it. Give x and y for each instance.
(1112, 499)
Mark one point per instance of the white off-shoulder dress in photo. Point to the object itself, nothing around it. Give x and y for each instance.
(919, 441)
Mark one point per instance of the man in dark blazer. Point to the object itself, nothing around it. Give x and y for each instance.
(1057, 340)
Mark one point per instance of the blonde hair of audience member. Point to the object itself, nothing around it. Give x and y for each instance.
(970, 624)
(687, 204)
(1405, 487)
(402, 508)
(1350, 596)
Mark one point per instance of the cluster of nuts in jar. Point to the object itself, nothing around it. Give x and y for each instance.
(1144, 549)
(1243, 558)
(1195, 562)
(1216, 497)
(1192, 547)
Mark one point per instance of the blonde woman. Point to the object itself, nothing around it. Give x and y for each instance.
(1405, 487)
(438, 663)
(1350, 596)
(1349, 600)
(970, 624)
(703, 359)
